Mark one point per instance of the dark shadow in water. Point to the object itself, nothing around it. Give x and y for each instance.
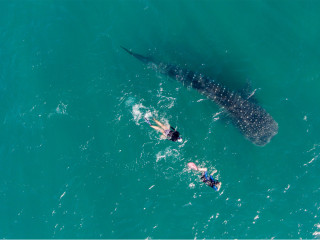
(216, 64)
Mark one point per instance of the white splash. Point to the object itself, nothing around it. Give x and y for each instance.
(168, 152)
(130, 101)
(148, 115)
(167, 102)
(256, 217)
(286, 189)
(316, 233)
(188, 204)
(136, 112)
(315, 146)
(314, 158)
(62, 109)
(160, 156)
(182, 145)
(62, 195)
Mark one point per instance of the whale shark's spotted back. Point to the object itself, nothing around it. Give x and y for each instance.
(252, 120)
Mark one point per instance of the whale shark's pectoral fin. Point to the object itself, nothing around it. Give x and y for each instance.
(248, 92)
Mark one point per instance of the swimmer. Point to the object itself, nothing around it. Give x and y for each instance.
(167, 131)
(209, 180)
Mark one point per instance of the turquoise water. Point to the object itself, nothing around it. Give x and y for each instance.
(77, 159)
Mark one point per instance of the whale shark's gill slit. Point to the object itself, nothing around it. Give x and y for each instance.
(252, 120)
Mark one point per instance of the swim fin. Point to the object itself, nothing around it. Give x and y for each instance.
(147, 121)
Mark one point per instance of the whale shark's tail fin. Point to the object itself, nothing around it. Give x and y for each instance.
(138, 56)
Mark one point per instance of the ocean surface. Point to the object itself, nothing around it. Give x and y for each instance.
(77, 159)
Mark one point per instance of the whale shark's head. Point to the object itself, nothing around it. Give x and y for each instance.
(261, 132)
(266, 134)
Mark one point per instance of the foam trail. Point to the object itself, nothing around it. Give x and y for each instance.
(137, 112)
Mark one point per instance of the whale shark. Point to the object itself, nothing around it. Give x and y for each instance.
(255, 123)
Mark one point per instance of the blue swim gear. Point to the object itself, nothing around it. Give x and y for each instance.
(210, 181)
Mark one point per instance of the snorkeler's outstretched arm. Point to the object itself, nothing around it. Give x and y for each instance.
(214, 171)
(202, 169)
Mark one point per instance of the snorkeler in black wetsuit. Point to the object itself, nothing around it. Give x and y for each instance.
(167, 131)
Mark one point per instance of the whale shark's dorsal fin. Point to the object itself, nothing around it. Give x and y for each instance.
(143, 59)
